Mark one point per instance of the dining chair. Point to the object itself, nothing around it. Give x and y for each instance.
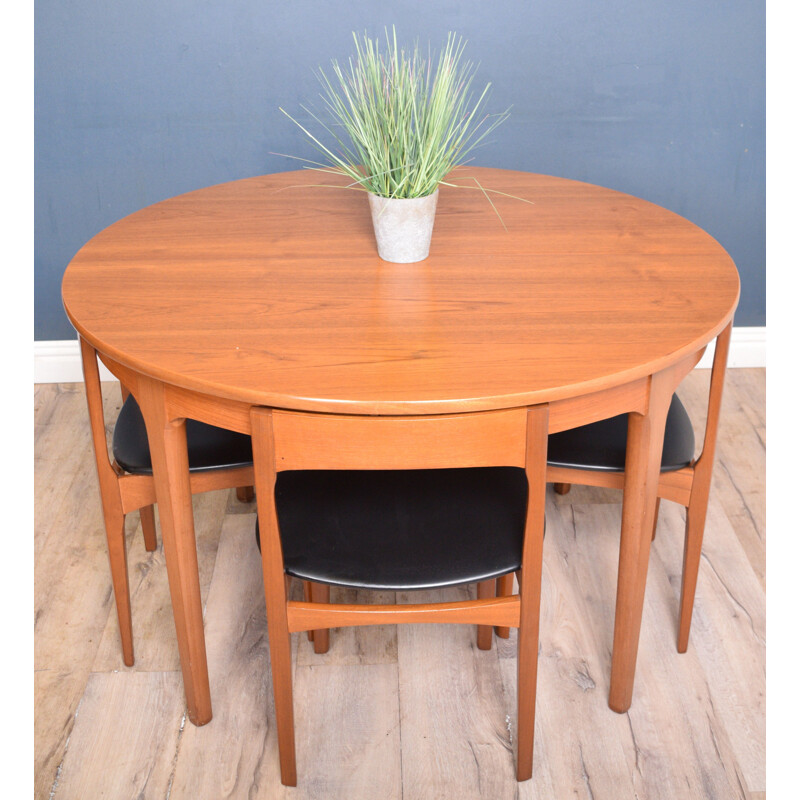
(594, 455)
(218, 459)
(400, 504)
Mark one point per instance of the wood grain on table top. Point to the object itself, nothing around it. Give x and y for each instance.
(269, 290)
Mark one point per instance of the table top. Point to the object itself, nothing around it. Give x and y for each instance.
(269, 290)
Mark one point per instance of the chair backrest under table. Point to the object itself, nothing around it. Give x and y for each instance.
(284, 441)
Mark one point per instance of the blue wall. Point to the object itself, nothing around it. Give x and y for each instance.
(136, 102)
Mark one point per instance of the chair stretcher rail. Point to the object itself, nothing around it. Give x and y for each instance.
(500, 611)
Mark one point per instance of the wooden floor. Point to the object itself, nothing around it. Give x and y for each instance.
(408, 712)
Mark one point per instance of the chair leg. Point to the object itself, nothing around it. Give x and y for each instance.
(275, 592)
(692, 546)
(530, 589)
(655, 518)
(562, 488)
(307, 598)
(113, 516)
(320, 593)
(486, 589)
(118, 560)
(528, 660)
(280, 654)
(701, 486)
(505, 588)
(244, 494)
(148, 519)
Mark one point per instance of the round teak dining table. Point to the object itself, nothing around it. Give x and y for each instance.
(269, 291)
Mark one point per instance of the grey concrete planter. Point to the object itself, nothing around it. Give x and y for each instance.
(403, 227)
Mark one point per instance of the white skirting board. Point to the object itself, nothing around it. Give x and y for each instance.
(60, 361)
(748, 349)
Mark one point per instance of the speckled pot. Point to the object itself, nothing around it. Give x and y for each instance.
(403, 227)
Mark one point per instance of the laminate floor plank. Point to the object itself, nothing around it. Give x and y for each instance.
(653, 750)
(454, 715)
(235, 755)
(72, 583)
(56, 695)
(125, 737)
(348, 733)
(346, 722)
(155, 644)
(728, 635)
(739, 480)
(72, 599)
(45, 401)
(63, 431)
(675, 712)
(572, 689)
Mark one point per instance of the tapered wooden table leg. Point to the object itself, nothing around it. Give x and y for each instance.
(167, 440)
(642, 467)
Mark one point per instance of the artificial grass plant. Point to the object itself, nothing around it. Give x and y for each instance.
(400, 123)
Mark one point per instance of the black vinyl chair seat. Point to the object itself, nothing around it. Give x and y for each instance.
(209, 447)
(401, 529)
(601, 445)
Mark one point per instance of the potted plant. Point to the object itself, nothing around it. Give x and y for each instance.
(400, 123)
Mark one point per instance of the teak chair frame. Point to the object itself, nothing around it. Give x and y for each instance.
(689, 486)
(121, 493)
(285, 440)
